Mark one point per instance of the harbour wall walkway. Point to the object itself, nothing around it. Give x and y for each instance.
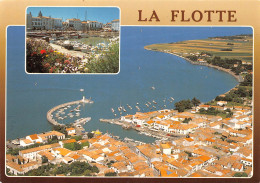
(50, 115)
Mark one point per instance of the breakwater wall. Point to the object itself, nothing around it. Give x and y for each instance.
(50, 115)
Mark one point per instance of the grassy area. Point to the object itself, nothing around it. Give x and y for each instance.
(241, 48)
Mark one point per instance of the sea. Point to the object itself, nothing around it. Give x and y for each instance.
(30, 96)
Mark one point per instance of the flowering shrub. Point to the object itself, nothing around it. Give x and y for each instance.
(41, 58)
(107, 63)
(43, 51)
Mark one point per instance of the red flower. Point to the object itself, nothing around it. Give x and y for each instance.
(46, 65)
(66, 62)
(51, 51)
(51, 69)
(34, 53)
(43, 51)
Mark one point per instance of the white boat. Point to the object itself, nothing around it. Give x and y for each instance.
(74, 36)
(67, 44)
(83, 35)
(84, 48)
(137, 108)
(77, 47)
(112, 110)
(172, 98)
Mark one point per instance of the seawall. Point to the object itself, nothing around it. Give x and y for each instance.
(49, 113)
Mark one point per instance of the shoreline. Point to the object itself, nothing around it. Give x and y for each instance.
(237, 77)
(158, 135)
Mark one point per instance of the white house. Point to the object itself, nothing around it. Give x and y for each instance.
(222, 103)
(71, 131)
(26, 142)
(115, 25)
(74, 23)
(165, 149)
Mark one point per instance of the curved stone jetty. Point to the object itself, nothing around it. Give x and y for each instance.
(49, 113)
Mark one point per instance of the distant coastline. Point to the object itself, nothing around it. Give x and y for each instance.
(202, 64)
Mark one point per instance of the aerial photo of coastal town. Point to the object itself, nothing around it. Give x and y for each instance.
(181, 106)
(64, 43)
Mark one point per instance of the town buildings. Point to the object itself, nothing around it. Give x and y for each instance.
(49, 23)
(43, 22)
(207, 146)
(115, 25)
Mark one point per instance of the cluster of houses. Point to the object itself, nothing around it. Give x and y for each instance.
(209, 146)
(49, 23)
(171, 121)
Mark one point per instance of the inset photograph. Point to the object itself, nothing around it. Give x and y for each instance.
(72, 40)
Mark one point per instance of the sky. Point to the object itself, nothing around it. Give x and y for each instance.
(100, 14)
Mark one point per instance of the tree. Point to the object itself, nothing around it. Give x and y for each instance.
(61, 129)
(247, 80)
(90, 135)
(195, 101)
(186, 120)
(182, 105)
(109, 63)
(95, 169)
(111, 174)
(77, 138)
(240, 174)
(13, 152)
(19, 161)
(87, 172)
(44, 159)
(54, 139)
(77, 146)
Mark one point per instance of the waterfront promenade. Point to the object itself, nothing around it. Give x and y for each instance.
(50, 115)
(143, 130)
(69, 52)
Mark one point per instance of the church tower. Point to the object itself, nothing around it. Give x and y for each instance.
(40, 14)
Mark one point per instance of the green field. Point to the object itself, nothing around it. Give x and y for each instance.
(242, 48)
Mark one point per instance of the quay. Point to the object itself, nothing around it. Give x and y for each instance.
(50, 115)
(143, 130)
(70, 52)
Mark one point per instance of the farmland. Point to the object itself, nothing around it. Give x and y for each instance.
(231, 47)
